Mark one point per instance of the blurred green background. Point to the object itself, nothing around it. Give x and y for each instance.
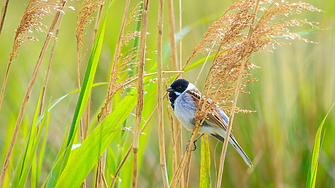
(295, 90)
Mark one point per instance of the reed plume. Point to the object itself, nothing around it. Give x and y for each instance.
(25, 25)
(246, 27)
(30, 21)
(124, 62)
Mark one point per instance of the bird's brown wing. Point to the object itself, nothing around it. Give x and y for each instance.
(212, 116)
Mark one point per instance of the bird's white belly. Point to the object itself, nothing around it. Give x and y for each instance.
(185, 114)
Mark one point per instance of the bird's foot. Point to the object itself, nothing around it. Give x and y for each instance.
(194, 143)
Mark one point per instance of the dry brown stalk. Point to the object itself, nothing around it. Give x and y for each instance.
(178, 173)
(97, 21)
(28, 92)
(188, 168)
(160, 94)
(139, 104)
(3, 14)
(173, 142)
(237, 91)
(48, 70)
(131, 147)
(35, 10)
(174, 59)
(113, 77)
(180, 36)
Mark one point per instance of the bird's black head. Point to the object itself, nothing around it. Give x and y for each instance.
(177, 88)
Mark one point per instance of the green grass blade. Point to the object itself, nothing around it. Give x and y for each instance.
(36, 137)
(33, 172)
(22, 164)
(311, 179)
(42, 151)
(51, 179)
(83, 96)
(83, 159)
(10, 131)
(205, 176)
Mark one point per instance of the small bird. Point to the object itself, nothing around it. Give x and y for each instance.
(184, 99)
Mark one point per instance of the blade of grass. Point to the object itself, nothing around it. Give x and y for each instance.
(311, 178)
(89, 152)
(31, 156)
(21, 166)
(83, 96)
(42, 151)
(205, 173)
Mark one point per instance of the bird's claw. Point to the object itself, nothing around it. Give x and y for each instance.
(195, 146)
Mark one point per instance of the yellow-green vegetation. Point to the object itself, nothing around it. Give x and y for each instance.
(72, 111)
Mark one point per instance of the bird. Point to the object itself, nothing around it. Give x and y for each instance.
(184, 98)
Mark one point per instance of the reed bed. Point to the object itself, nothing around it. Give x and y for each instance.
(118, 130)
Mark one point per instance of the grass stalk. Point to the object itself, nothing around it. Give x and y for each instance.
(28, 92)
(113, 76)
(173, 142)
(139, 104)
(178, 127)
(96, 26)
(179, 171)
(180, 36)
(49, 67)
(160, 94)
(187, 172)
(237, 91)
(3, 14)
(130, 149)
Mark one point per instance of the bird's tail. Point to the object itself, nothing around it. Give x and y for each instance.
(236, 146)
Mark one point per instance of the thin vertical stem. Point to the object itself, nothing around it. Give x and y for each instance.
(139, 105)
(3, 14)
(237, 91)
(178, 127)
(27, 94)
(113, 76)
(49, 67)
(160, 94)
(180, 36)
(178, 174)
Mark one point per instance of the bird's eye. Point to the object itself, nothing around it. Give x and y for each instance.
(179, 87)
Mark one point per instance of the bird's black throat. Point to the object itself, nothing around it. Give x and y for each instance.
(172, 97)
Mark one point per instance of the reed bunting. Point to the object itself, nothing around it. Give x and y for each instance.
(184, 99)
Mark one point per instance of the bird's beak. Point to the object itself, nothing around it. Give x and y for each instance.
(169, 89)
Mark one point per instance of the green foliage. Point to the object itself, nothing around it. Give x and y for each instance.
(95, 144)
(28, 157)
(205, 166)
(311, 179)
(295, 88)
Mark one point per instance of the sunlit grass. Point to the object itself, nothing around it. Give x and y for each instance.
(295, 90)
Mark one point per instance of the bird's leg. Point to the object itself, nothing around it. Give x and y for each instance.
(194, 143)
